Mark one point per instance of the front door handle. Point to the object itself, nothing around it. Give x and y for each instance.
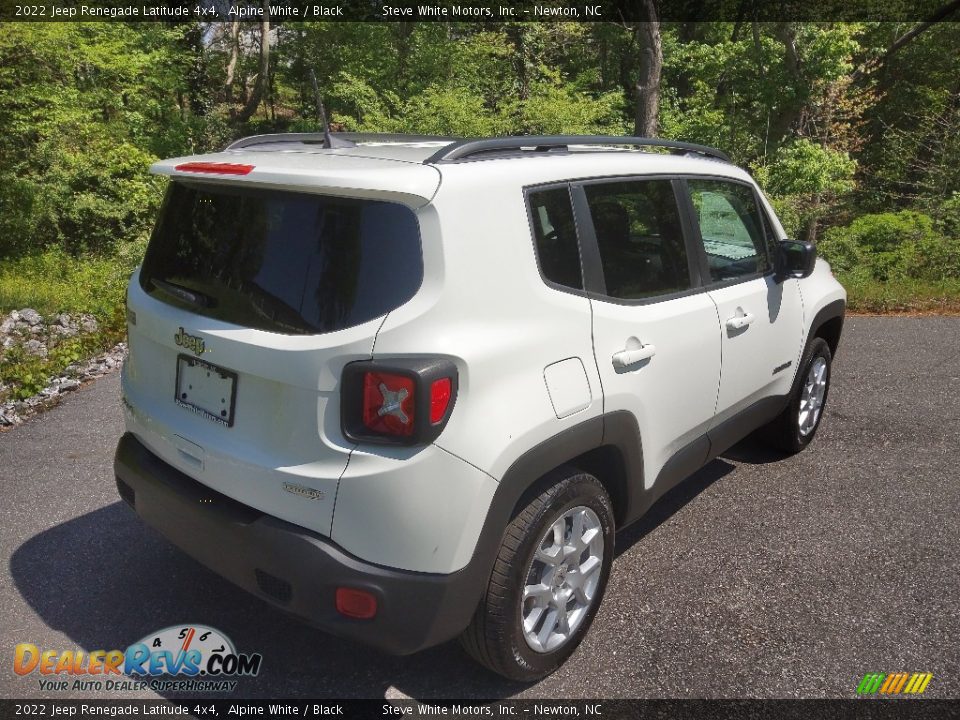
(626, 358)
(738, 322)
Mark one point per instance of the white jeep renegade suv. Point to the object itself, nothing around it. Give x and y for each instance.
(406, 388)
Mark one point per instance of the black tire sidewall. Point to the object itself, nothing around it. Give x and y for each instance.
(580, 489)
(818, 348)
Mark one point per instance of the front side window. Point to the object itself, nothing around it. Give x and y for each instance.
(731, 228)
(638, 230)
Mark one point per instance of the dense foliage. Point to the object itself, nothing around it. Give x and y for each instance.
(856, 144)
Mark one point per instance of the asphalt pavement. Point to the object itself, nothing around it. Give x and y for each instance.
(760, 576)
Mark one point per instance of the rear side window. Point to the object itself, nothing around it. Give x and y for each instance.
(731, 227)
(638, 230)
(555, 235)
(286, 262)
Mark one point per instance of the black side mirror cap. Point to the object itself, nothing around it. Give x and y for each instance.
(795, 259)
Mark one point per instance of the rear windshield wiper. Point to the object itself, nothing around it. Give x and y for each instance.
(270, 307)
(181, 293)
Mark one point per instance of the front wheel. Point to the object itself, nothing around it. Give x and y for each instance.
(548, 580)
(793, 430)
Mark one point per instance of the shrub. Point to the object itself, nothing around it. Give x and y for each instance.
(887, 246)
(933, 257)
(948, 216)
(841, 250)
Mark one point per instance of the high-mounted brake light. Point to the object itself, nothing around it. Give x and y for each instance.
(401, 402)
(214, 168)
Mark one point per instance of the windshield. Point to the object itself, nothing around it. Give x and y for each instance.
(281, 261)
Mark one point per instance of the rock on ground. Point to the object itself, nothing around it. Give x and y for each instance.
(27, 329)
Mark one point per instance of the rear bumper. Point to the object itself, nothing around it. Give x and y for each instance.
(290, 567)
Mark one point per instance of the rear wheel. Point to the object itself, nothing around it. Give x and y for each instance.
(548, 580)
(793, 429)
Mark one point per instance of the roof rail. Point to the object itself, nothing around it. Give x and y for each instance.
(467, 149)
(395, 137)
(318, 138)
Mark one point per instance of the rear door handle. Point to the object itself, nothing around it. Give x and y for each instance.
(626, 358)
(738, 322)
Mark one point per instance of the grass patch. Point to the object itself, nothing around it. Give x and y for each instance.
(54, 282)
(907, 296)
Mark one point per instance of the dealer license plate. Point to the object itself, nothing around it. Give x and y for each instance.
(206, 389)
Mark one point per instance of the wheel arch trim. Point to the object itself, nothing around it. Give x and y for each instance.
(522, 480)
(832, 311)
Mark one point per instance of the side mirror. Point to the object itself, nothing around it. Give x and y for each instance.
(795, 259)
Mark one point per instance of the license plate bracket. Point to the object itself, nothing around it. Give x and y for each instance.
(206, 389)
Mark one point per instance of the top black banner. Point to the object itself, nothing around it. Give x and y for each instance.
(620, 11)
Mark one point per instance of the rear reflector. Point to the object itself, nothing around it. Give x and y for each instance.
(388, 403)
(356, 603)
(214, 168)
(439, 399)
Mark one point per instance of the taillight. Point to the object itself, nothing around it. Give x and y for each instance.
(388, 403)
(401, 402)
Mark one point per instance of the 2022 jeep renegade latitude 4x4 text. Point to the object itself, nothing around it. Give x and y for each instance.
(406, 388)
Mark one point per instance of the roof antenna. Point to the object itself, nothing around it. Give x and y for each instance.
(329, 140)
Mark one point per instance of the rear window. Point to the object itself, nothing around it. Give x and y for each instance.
(555, 234)
(286, 262)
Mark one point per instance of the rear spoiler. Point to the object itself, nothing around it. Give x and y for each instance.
(412, 184)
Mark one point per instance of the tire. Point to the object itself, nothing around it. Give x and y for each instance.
(797, 425)
(496, 637)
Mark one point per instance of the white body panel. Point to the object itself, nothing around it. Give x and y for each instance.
(411, 508)
(501, 341)
(673, 393)
(818, 291)
(761, 325)
(287, 407)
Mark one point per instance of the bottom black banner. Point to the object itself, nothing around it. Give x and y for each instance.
(608, 709)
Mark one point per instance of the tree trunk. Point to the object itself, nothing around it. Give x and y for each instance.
(725, 84)
(195, 77)
(810, 228)
(786, 116)
(515, 32)
(262, 82)
(232, 62)
(645, 119)
(404, 44)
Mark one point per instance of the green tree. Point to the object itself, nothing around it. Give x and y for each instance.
(86, 108)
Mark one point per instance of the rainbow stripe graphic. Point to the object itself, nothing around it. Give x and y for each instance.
(894, 683)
